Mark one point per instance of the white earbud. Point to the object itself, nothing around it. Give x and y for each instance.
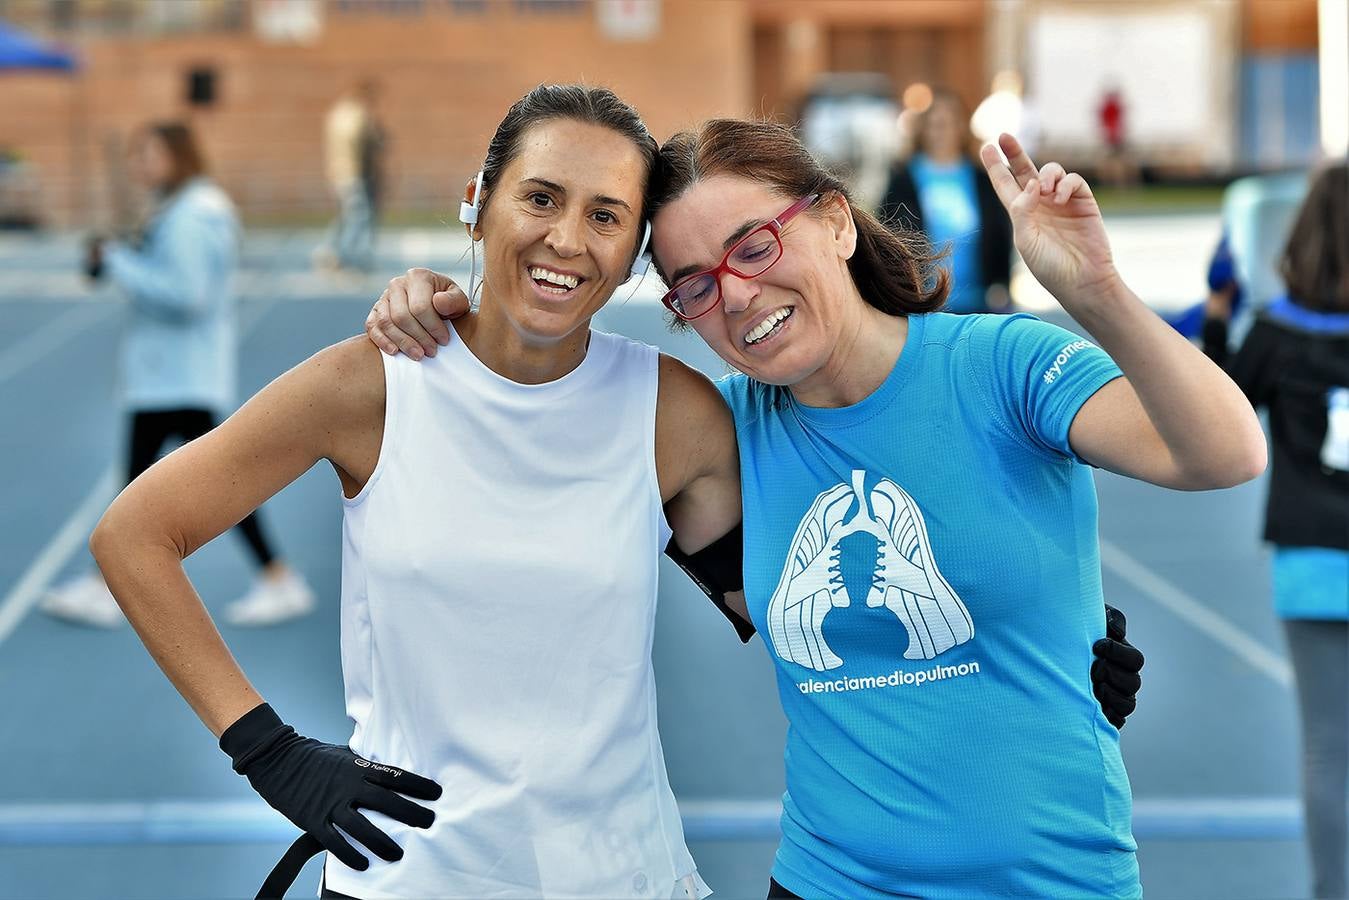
(646, 239)
(468, 212)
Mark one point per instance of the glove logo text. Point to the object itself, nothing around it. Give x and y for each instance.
(367, 764)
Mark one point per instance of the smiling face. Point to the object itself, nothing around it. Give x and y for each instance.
(559, 228)
(781, 327)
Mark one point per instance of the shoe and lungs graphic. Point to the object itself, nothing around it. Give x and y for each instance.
(905, 579)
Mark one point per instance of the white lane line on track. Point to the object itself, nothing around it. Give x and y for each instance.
(34, 582)
(30, 587)
(51, 336)
(251, 821)
(1172, 598)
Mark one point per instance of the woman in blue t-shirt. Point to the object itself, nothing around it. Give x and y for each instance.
(921, 553)
(923, 557)
(941, 191)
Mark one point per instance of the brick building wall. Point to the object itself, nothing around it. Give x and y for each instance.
(447, 79)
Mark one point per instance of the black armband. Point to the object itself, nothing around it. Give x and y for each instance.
(718, 569)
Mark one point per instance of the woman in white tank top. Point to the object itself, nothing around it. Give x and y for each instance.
(496, 625)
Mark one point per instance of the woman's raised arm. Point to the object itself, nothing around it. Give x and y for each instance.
(1175, 419)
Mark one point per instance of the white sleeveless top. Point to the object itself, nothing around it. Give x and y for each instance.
(499, 576)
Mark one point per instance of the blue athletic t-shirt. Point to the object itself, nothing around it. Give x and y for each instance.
(950, 202)
(923, 568)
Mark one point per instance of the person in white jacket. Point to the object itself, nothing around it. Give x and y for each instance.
(353, 147)
(178, 354)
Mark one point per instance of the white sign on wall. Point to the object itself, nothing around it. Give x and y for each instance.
(1166, 67)
(628, 20)
(288, 21)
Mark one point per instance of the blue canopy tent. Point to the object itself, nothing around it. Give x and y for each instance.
(22, 51)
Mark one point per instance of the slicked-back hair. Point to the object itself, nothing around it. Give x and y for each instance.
(576, 102)
(894, 271)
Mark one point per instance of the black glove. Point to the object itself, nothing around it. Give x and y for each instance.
(1114, 673)
(318, 786)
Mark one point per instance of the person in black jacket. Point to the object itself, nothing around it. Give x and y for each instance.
(1295, 362)
(940, 190)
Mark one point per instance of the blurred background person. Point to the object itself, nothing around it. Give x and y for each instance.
(178, 354)
(1208, 319)
(353, 151)
(1257, 216)
(941, 191)
(1110, 118)
(849, 121)
(1295, 362)
(1112, 124)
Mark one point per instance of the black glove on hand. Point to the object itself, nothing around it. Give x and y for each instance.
(318, 786)
(1114, 673)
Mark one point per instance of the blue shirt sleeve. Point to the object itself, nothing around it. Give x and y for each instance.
(726, 387)
(1036, 376)
(176, 274)
(737, 390)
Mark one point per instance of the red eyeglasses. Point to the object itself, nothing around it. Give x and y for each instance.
(751, 256)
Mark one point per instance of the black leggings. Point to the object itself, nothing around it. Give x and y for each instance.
(149, 431)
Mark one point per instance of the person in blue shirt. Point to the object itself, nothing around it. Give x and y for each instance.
(924, 557)
(178, 353)
(920, 548)
(941, 191)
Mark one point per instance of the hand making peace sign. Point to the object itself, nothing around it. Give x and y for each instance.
(1056, 223)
